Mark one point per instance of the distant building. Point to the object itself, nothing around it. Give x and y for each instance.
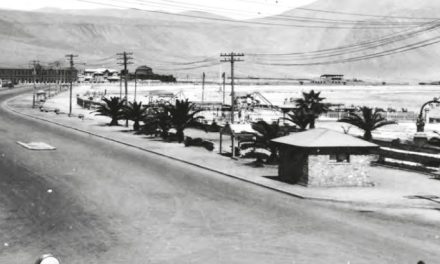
(330, 79)
(143, 71)
(146, 73)
(40, 75)
(324, 158)
(101, 75)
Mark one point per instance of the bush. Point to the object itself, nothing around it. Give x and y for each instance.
(199, 142)
(208, 145)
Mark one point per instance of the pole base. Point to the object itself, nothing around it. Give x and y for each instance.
(420, 138)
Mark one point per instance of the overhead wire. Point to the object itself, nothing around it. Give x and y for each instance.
(120, 4)
(296, 18)
(410, 47)
(348, 49)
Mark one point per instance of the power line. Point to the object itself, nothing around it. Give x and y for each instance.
(277, 17)
(247, 22)
(364, 15)
(353, 48)
(402, 49)
(189, 68)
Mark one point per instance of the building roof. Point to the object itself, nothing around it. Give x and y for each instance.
(238, 129)
(100, 70)
(323, 138)
(332, 75)
(143, 70)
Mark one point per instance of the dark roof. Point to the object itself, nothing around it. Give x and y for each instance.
(332, 75)
(323, 138)
(143, 70)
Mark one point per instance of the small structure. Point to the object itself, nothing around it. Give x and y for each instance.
(325, 158)
(330, 79)
(238, 133)
(41, 96)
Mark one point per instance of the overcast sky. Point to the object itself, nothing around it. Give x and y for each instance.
(231, 8)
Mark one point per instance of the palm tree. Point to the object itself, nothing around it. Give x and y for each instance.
(135, 112)
(158, 119)
(368, 120)
(182, 113)
(299, 117)
(112, 108)
(267, 132)
(312, 105)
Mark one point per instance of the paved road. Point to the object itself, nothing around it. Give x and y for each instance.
(113, 204)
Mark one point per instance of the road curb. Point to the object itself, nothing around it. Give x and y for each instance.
(6, 106)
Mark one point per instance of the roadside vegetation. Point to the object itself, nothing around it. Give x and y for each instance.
(112, 108)
(135, 112)
(309, 108)
(368, 120)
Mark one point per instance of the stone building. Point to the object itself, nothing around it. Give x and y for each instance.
(325, 158)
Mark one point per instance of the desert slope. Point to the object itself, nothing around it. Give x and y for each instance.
(168, 42)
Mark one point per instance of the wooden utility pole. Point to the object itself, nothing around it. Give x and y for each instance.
(203, 87)
(232, 58)
(125, 59)
(34, 64)
(224, 87)
(120, 84)
(71, 57)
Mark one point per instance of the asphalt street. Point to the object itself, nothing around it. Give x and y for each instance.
(94, 201)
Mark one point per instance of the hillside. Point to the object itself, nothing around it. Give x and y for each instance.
(167, 42)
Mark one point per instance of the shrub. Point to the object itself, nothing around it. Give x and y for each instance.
(199, 142)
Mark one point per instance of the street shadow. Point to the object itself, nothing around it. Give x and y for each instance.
(104, 125)
(276, 178)
(255, 164)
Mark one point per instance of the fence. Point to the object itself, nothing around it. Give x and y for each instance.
(417, 161)
(89, 104)
(394, 116)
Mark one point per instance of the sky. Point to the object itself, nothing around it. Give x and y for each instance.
(232, 8)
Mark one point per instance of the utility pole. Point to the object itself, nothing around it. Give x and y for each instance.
(232, 58)
(224, 86)
(71, 57)
(203, 87)
(120, 84)
(34, 64)
(126, 60)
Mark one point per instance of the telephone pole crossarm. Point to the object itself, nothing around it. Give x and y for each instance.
(232, 58)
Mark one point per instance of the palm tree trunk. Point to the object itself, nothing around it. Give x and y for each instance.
(367, 135)
(180, 135)
(136, 125)
(114, 122)
(312, 123)
(273, 155)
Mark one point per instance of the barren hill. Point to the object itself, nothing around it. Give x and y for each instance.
(170, 43)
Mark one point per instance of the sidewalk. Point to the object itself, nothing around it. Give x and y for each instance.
(393, 192)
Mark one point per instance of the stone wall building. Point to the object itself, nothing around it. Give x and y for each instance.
(325, 158)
